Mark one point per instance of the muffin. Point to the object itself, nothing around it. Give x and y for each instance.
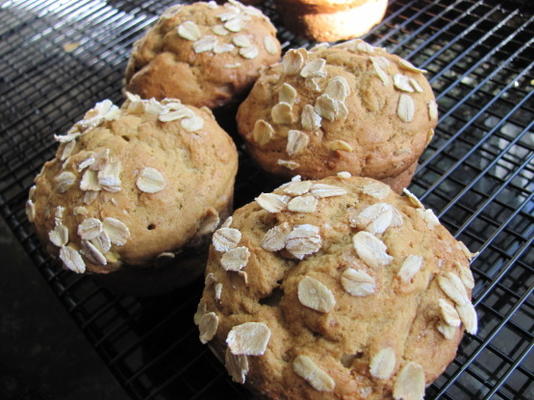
(133, 186)
(203, 53)
(331, 20)
(336, 289)
(351, 107)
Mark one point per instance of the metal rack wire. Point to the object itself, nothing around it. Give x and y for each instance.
(57, 58)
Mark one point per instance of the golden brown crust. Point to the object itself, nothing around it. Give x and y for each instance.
(400, 182)
(327, 21)
(343, 341)
(194, 178)
(168, 61)
(370, 139)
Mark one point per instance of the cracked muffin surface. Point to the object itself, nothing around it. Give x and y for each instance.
(336, 289)
(131, 184)
(350, 107)
(203, 53)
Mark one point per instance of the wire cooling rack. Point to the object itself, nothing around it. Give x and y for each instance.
(57, 58)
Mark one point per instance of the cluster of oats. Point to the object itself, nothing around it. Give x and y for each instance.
(99, 171)
(243, 340)
(96, 237)
(371, 222)
(225, 37)
(330, 103)
(167, 110)
(407, 86)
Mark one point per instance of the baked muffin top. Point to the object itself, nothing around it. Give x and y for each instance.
(351, 107)
(202, 53)
(129, 183)
(336, 289)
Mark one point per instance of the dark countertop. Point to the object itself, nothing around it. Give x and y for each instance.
(43, 354)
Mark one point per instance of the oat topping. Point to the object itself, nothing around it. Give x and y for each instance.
(447, 331)
(371, 249)
(249, 52)
(314, 68)
(64, 181)
(429, 217)
(116, 230)
(227, 223)
(89, 181)
(468, 315)
(150, 180)
(223, 48)
(206, 43)
(93, 253)
(297, 188)
(322, 190)
(402, 83)
(288, 164)
(406, 108)
(263, 132)
(102, 242)
(249, 338)
(287, 94)
(382, 75)
(466, 275)
(219, 30)
(376, 218)
(314, 84)
(416, 86)
(109, 176)
(30, 210)
(293, 61)
(357, 283)
(71, 259)
(383, 363)
(410, 266)
(235, 259)
(448, 313)
(303, 240)
(89, 228)
(410, 383)
(89, 196)
(404, 64)
(80, 210)
(270, 44)
(275, 238)
(217, 291)
(337, 88)
(307, 369)
(413, 199)
(189, 30)
(242, 40)
(315, 295)
(432, 110)
(282, 113)
(67, 150)
(344, 174)
(339, 145)
(272, 202)
(378, 190)
(59, 236)
(192, 124)
(209, 222)
(309, 119)
(225, 239)
(304, 204)
(207, 326)
(453, 287)
(237, 366)
(327, 107)
(297, 141)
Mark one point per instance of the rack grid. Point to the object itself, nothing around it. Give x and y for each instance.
(57, 58)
